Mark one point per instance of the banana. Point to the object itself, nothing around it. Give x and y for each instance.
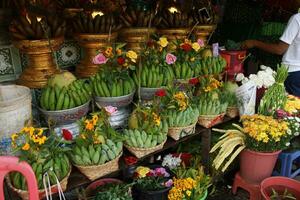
(66, 101)
(52, 99)
(60, 99)
(76, 98)
(105, 89)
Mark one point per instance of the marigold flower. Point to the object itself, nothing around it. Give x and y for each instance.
(119, 52)
(89, 126)
(26, 146)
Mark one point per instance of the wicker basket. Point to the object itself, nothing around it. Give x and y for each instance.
(179, 132)
(232, 112)
(141, 152)
(24, 194)
(96, 171)
(209, 121)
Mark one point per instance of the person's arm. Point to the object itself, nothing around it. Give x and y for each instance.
(274, 48)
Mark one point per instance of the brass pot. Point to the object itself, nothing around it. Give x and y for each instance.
(41, 65)
(175, 33)
(136, 38)
(204, 31)
(91, 44)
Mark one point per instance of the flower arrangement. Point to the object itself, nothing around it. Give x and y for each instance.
(114, 78)
(44, 154)
(155, 179)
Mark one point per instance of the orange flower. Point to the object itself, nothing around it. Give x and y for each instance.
(26, 147)
(89, 126)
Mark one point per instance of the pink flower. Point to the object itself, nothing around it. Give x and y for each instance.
(99, 59)
(161, 172)
(169, 183)
(201, 42)
(170, 59)
(110, 109)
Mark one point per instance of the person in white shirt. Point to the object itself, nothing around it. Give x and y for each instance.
(289, 47)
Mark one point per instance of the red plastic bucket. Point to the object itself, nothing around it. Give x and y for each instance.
(279, 184)
(234, 61)
(256, 166)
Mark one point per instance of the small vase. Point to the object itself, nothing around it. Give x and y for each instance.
(256, 166)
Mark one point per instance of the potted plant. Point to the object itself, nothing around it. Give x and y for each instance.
(38, 37)
(45, 155)
(190, 183)
(259, 140)
(156, 72)
(147, 131)
(181, 114)
(98, 147)
(152, 183)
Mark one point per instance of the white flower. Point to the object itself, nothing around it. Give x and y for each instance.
(289, 132)
(239, 77)
(287, 144)
(297, 119)
(245, 80)
(259, 82)
(296, 134)
(171, 161)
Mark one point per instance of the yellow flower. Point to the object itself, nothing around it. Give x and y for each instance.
(42, 140)
(179, 96)
(108, 52)
(25, 129)
(95, 119)
(89, 126)
(156, 119)
(14, 137)
(142, 171)
(196, 46)
(119, 52)
(26, 146)
(132, 55)
(83, 136)
(192, 59)
(188, 193)
(40, 132)
(163, 42)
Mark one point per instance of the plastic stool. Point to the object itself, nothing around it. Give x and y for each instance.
(253, 189)
(287, 160)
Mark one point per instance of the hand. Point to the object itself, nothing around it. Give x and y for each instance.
(248, 44)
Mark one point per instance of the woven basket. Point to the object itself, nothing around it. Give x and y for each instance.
(209, 121)
(232, 112)
(141, 152)
(24, 194)
(96, 171)
(177, 132)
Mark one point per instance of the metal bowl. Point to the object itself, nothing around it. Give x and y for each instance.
(67, 116)
(148, 93)
(114, 101)
(120, 118)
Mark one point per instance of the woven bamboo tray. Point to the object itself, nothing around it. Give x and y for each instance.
(176, 132)
(24, 193)
(209, 121)
(141, 152)
(96, 171)
(232, 112)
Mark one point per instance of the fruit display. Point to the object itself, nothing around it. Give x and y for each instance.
(210, 65)
(154, 76)
(182, 118)
(95, 23)
(112, 88)
(139, 18)
(54, 98)
(212, 106)
(96, 154)
(175, 20)
(55, 167)
(32, 27)
(184, 71)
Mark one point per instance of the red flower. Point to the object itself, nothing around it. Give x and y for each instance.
(130, 160)
(121, 60)
(194, 81)
(186, 47)
(150, 43)
(150, 174)
(160, 93)
(67, 135)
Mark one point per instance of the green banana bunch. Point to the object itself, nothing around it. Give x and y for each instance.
(140, 139)
(183, 71)
(154, 76)
(76, 94)
(119, 87)
(55, 167)
(210, 65)
(96, 154)
(182, 118)
(211, 106)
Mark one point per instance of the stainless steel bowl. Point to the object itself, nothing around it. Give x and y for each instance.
(67, 116)
(120, 118)
(114, 101)
(73, 128)
(148, 93)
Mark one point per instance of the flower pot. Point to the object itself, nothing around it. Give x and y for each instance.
(279, 184)
(147, 94)
(40, 61)
(91, 43)
(92, 188)
(175, 33)
(119, 119)
(120, 101)
(256, 166)
(203, 32)
(150, 195)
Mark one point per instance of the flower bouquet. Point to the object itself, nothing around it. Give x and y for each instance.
(152, 183)
(113, 85)
(260, 139)
(98, 147)
(46, 157)
(156, 72)
(211, 108)
(181, 115)
(147, 131)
